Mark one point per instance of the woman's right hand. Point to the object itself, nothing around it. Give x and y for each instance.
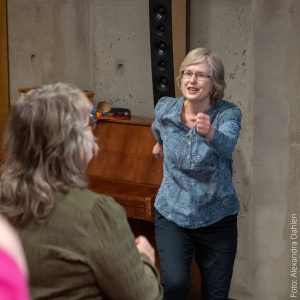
(158, 150)
(145, 247)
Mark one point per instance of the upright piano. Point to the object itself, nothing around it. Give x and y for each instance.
(125, 167)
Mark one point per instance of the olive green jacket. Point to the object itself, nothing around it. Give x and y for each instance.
(85, 249)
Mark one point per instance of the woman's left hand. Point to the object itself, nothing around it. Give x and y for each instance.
(203, 126)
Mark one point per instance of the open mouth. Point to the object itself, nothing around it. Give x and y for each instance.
(191, 89)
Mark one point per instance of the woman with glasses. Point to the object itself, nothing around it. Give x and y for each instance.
(197, 206)
(78, 244)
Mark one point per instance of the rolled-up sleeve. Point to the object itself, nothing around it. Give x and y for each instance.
(156, 123)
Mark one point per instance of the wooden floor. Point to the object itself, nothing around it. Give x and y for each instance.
(145, 228)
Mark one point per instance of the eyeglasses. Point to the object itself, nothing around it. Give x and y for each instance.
(199, 75)
(93, 122)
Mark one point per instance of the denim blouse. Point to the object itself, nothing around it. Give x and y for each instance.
(197, 188)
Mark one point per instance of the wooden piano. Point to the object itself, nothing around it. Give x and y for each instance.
(125, 167)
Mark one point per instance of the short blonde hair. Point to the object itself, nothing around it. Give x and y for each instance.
(197, 56)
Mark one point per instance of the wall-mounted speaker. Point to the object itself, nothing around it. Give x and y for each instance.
(168, 44)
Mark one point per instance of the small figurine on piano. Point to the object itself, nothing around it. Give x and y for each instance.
(105, 111)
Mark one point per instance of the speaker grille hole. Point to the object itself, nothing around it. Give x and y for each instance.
(160, 29)
(160, 12)
(161, 48)
(162, 83)
(162, 65)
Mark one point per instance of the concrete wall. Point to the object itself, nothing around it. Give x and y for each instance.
(104, 46)
(226, 27)
(259, 41)
(98, 45)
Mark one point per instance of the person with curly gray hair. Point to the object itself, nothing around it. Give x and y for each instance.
(78, 244)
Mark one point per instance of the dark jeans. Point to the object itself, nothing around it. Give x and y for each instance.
(214, 248)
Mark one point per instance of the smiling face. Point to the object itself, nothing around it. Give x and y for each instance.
(197, 88)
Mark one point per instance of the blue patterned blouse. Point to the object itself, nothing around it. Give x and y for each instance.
(197, 188)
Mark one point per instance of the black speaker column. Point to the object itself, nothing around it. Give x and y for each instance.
(160, 13)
